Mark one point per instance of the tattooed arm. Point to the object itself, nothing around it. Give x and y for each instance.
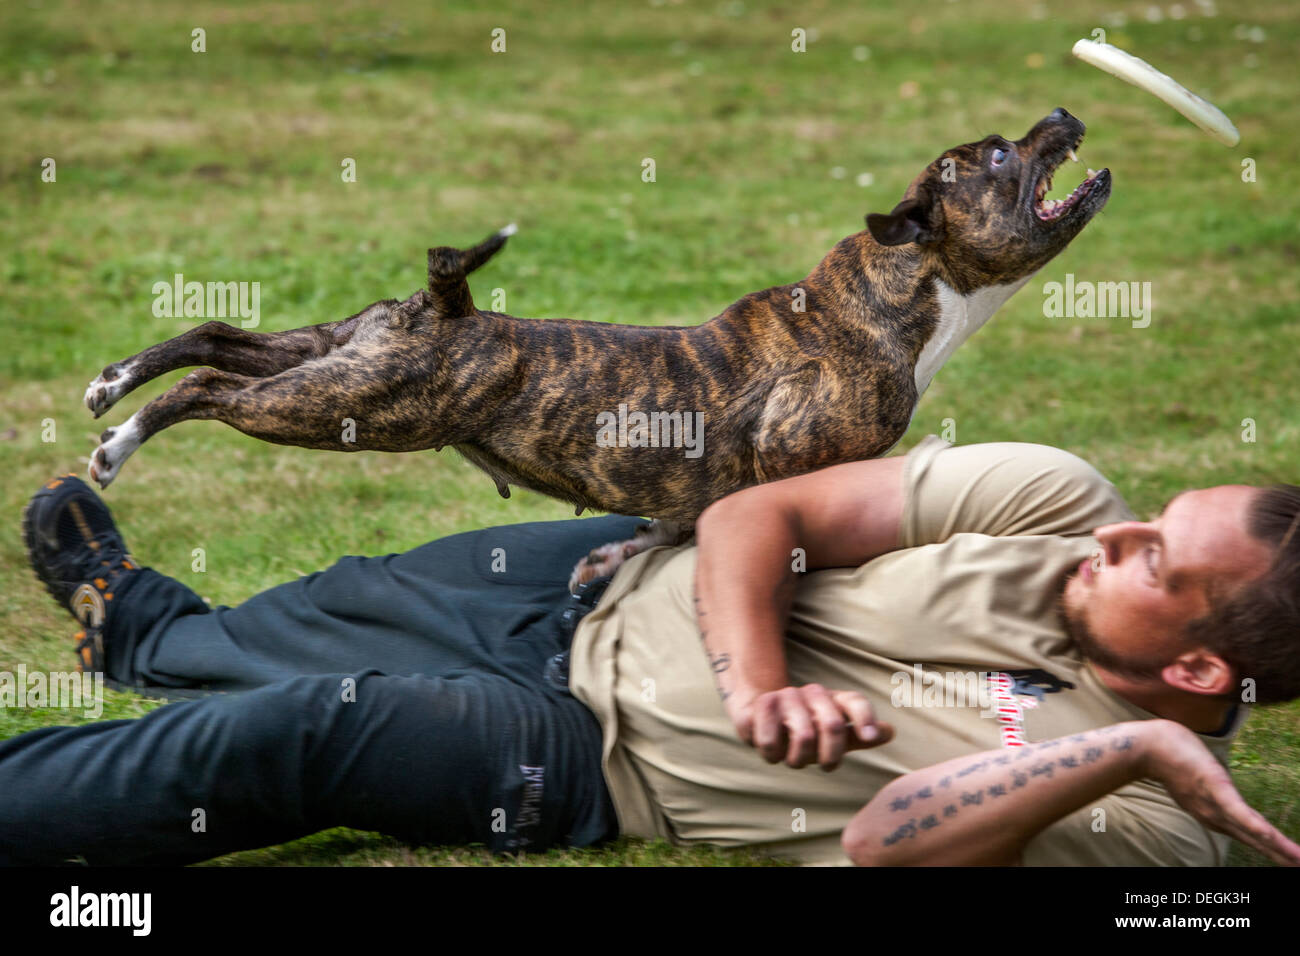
(752, 546)
(982, 810)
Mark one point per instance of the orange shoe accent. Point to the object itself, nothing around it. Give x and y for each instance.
(83, 525)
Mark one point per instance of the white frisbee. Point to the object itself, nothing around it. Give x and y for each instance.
(1143, 75)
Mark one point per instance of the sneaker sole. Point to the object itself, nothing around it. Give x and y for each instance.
(29, 532)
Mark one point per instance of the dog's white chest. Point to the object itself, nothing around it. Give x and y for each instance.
(960, 317)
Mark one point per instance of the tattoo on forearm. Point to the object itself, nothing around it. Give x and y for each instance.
(908, 829)
(1000, 788)
(717, 662)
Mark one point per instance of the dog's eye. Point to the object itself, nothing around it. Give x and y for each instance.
(998, 156)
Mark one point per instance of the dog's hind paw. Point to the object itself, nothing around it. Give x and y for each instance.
(107, 387)
(116, 445)
(609, 557)
(603, 561)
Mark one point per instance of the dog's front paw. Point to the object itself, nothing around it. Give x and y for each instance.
(602, 561)
(107, 387)
(116, 445)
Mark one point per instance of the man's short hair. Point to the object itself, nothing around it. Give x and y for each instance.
(1256, 629)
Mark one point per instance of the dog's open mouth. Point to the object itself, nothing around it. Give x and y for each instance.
(1051, 209)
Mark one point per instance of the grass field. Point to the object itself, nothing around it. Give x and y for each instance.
(226, 165)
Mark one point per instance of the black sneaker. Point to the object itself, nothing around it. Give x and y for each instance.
(76, 550)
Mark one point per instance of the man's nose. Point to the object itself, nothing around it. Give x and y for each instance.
(1125, 533)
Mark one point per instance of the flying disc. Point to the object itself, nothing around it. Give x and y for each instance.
(1144, 76)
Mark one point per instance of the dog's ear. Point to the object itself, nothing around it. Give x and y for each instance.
(912, 220)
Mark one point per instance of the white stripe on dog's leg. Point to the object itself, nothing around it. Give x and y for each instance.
(102, 395)
(509, 230)
(107, 459)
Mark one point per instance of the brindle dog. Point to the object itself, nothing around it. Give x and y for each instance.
(787, 380)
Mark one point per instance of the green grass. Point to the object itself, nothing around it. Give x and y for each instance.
(226, 165)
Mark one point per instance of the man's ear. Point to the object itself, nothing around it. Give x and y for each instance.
(912, 220)
(1200, 671)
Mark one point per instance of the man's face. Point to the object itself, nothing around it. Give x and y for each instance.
(1127, 606)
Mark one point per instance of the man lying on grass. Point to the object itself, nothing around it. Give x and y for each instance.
(456, 693)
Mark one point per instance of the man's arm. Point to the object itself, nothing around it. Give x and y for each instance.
(983, 809)
(745, 579)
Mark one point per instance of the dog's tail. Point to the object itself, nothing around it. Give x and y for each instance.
(472, 258)
(448, 267)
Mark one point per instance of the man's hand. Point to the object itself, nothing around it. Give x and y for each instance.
(803, 725)
(1202, 787)
(746, 574)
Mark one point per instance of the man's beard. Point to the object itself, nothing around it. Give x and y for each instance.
(1096, 653)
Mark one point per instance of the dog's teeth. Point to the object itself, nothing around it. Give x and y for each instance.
(1073, 157)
